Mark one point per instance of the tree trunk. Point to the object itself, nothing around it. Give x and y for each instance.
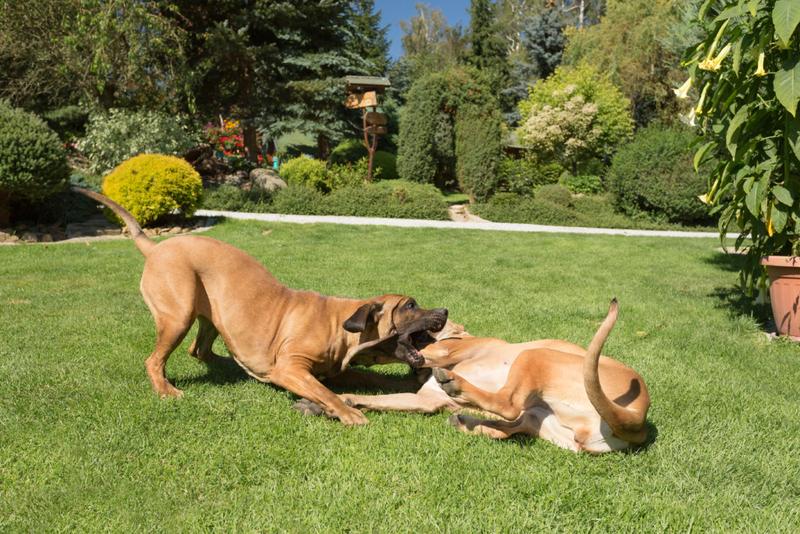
(106, 98)
(250, 141)
(323, 147)
(5, 215)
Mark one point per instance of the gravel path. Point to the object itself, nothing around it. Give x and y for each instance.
(464, 224)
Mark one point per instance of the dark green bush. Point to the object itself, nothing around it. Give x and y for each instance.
(655, 174)
(65, 206)
(557, 194)
(349, 151)
(479, 148)
(387, 163)
(33, 161)
(416, 156)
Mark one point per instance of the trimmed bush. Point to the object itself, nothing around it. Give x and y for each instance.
(151, 186)
(388, 200)
(297, 200)
(479, 149)
(349, 151)
(230, 198)
(557, 194)
(350, 174)
(33, 161)
(655, 174)
(387, 163)
(305, 171)
(120, 135)
(527, 211)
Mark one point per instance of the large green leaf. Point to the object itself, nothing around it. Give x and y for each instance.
(733, 129)
(787, 84)
(786, 16)
(701, 153)
(793, 136)
(783, 194)
(779, 215)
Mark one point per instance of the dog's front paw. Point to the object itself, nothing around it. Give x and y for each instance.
(352, 417)
(463, 422)
(448, 381)
(306, 407)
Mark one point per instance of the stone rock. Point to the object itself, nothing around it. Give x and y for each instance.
(47, 238)
(266, 179)
(236, 178)
(30, 237)
(13, 239)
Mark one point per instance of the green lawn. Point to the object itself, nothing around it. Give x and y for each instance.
(85, 446)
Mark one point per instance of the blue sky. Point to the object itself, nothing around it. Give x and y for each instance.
(393, 11)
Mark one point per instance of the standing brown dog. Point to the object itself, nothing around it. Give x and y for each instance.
(278, 335)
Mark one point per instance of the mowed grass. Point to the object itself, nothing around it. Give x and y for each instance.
(85, 445)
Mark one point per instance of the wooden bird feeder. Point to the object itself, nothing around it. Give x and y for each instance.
(362, 93)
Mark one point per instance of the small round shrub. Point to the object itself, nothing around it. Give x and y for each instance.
(655, 174)
(120, 135)
(588, 184)
(297, 200)
(305, 171)
(349, 151)
(387, 163)
(33, 161)
(151, 186)
(557, 194)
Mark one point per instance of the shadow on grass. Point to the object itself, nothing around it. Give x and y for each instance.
(733, 299)
(731, 263)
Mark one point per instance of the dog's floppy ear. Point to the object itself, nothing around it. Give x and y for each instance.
(366, 315)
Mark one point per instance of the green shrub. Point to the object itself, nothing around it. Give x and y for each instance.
(151, 186)
(387, 163)
(525, 176)
(587, 184)
(479, 149)
(388, 200)
(349, 151)
(33, 161)
(230, 198)
(305, 171)
(69, 122)
(557, 194)
(527, 211)
(120, 135)
(65, 206)
(297, 200)
(655, 174)
(349, 174)
(591, 113)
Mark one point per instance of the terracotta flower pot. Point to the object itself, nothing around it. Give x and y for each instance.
(784, 292)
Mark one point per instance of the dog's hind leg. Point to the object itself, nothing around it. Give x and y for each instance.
(503, 403)
(202, 347)
(494, 429)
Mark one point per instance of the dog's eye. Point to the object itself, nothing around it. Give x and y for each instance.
(410, 305)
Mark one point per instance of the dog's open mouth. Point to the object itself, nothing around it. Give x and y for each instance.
(412, 337)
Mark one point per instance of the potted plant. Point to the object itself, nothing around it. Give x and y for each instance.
(746, 71)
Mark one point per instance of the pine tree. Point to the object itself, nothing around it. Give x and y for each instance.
(487, 48)
(369, 40)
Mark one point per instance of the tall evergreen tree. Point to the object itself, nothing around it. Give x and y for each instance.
(369, 40)
(277, 65)
(487, 48)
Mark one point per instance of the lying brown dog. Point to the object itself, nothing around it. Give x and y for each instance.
(278, 335)
(552, 389)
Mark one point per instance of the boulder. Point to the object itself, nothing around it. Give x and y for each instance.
(266, 179)
(236, 178)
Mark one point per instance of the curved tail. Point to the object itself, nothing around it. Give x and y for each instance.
(627, 424)
(140, 239)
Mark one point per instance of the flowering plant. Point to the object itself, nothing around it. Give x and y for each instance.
(748, 66)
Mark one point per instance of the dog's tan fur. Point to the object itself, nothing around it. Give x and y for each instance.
(552, 389)
(277, 334)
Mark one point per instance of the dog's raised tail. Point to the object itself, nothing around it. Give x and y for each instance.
(140, 239)
(627, 424)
